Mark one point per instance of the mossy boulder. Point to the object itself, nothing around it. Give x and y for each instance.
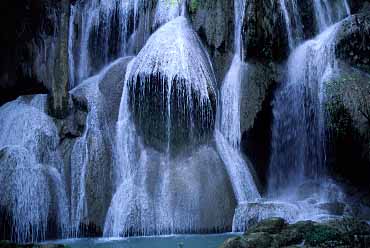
(237, 242)
(347, 109)
(334, 233)
(272, 226)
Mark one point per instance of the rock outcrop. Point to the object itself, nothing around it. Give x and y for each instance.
(353, 41)
(275, 232)
(264, 33)
(348, 119)
(172, 88)
(214, 23)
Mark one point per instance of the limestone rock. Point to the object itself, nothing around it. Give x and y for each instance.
(172, 88)
(264, 35)
(214, 23)
(353, 41)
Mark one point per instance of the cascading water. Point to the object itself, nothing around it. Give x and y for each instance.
(298, 135)
(297, 182)
(228, 124)
(161, 189)
(292, 21)
(95, 39)
(90, 148)
(329, 12)
(101, 31)
(298, 129)
(162, 154)
(31, 171)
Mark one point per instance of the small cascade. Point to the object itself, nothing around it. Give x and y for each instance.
(33, 189)
(241, 179)
(329, 12)
(173, 76)
(326, 13)
(93, 32)
(299, 128)
(91, 152)
(297, 174)
(227, 133)
(294, 23)
(101, 31)
(168, 10)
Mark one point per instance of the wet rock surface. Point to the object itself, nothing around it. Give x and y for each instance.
(214, 23)
(348, 107)
(353, 41)
(275, 232)
(264, 35)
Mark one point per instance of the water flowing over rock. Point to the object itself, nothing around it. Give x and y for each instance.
(31, 174)
(298, 132)
(294, 25)
(264, 36)
(158, 191)
(214, 22)
(228, 124)
(101, 31)
(172, 76)
(330, 12)
(318, 201)
(169, 141)
(298, 138)
(320, 14)
(92, 155)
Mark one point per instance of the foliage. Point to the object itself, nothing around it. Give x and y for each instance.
(194, 5)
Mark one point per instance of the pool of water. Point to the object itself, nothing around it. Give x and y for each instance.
(173, 241)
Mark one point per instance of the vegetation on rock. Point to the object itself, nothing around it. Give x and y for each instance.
(275, 232)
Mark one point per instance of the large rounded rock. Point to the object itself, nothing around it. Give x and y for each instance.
(32, 195)
(172, 88)
(173, 196)
(31, 169)
(348, 107)
(23, 123)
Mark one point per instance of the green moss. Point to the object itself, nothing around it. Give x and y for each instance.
(320, 234)
(194, 4)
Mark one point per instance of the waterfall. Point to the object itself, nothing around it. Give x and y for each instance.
(294, 23)
(85, 155)
(31, 171)
(163, 184)
(329, 12)
(299, 127)
(101, 31)
(227, 133)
